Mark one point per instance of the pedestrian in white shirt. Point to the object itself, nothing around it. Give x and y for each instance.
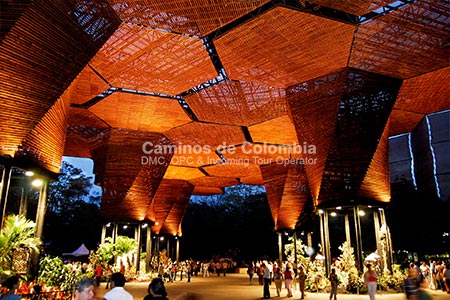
(118, 291)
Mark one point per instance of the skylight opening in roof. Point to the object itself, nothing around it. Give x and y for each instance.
(384, 10)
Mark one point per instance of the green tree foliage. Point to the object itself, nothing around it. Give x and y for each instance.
(17, 232)
(108, 251)
(235, 224)
(54, 273)
(290, 248)
(73, 214)
(347, 272)
(71, 187)
(104, 254)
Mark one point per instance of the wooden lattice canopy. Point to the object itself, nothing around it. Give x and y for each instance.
(173, 98)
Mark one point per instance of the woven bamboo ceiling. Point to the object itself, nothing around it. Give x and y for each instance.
(177, 98)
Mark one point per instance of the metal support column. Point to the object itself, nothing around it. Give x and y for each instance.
(137, 237)
(23, 208)
(177, 255)
(327, 244)
(376, 224)
(148, 248)
(115, 232)
(347, 231)
(322, 237)
(103, 237)
(388, 239)
(295, 249)
(6, 181)
(280, 246)
(358, 238)
(169, 254)
(42, 207)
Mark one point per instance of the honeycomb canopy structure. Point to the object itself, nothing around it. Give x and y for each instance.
(177, 98)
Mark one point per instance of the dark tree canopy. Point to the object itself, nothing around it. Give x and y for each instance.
(73, 214)
(235, 224)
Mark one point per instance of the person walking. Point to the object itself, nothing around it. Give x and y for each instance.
(260, 272)
(84, 289)
(278, 279)
(251, 272)
(118, 291)
(302, 281)
(98, 274)
(447, 278)
(422, 294)
(108, 274)
(156, 290)
(410, 284)
(370, 280)
(334, 284)
(267, 280)
(205, 268)
(288, 276)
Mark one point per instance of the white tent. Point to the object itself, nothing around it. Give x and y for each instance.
(372, 257)
(320, 257)
(82, 250)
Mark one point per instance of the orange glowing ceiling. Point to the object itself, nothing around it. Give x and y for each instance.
(216, 82)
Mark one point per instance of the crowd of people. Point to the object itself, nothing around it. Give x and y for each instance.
(432, 275)
(421, 277)
(268, 272)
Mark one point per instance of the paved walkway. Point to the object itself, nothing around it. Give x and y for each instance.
(236, 287)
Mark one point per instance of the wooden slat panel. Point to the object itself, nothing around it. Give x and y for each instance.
(287, 191)
(210, 181)
(189, 17)
(274, 176)
(238, 103)
(10, 12)
(269, 132)
(141, 58)
(176, 172)
(252, 180)
(233, 170)
(314, 112)
(40, 56)
(205, 136)
(355, 7)
(295, 194)
(256, 154)
(406, 42)
(84, 131)
(86, 86)
(140, 112)
(169, 205)
(125, 170)
(362, 117)
(419, 96)
(284, 47)
(376, 184)
(45, 142)
(188, 158)
(205, 191)
(403, 121)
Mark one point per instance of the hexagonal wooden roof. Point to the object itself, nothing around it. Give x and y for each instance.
(173, 98)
